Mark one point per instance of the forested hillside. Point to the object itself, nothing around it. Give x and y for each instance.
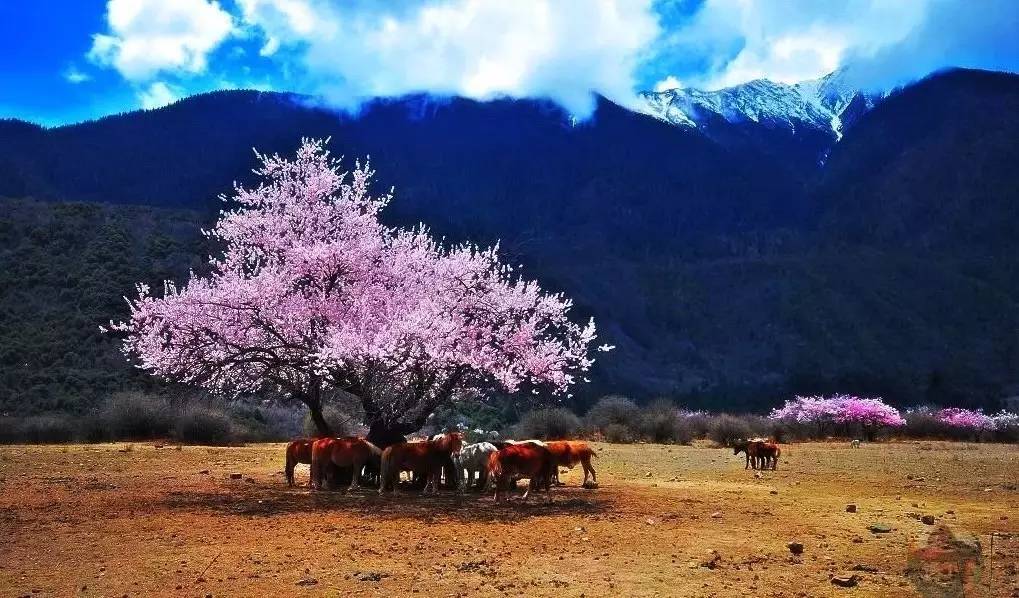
(64, 269)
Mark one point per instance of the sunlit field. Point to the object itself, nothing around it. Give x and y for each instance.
(145, 519)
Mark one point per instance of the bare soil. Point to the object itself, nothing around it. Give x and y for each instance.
(150, 520)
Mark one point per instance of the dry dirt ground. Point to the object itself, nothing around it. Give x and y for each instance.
(142, 520)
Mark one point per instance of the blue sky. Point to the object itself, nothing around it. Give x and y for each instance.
(69, 60)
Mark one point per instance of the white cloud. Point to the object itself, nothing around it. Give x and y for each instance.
(157, 95)
(560, 49)
(149, 37)
(670, 82)
(791, 40)
(73, 75)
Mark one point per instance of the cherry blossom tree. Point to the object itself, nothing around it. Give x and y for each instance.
(845, 411)
(313, 294)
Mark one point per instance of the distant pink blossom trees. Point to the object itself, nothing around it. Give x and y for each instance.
(966, 419)
(866, 414)
(313, 294)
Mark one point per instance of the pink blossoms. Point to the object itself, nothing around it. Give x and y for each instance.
(314, 294)
(839, 409)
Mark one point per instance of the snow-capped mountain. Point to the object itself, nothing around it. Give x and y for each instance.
(826, 104)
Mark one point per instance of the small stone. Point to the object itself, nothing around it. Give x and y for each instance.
(850, 508)
(927, 519)
(647, 475)
(711, 559)
(204, 471)
(716, 515)
(865, 568)
(795, 547)
(879, 528)
(236, 476)
(650, 521)
(773, 492)
(845, 581)
(307, 581)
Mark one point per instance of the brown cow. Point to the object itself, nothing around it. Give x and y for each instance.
(352, 452)
(298, 451)
(524, 460)
(424, 456)
(568, 453)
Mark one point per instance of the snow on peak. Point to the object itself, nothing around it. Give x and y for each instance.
(821, 104)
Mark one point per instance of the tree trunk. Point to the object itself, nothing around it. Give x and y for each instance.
(383, 434)
(324, 429)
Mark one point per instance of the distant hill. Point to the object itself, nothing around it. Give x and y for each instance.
(728, 266)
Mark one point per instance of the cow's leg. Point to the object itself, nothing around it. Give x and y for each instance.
(530, 486)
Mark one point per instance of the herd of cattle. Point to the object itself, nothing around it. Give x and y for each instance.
(481, 465)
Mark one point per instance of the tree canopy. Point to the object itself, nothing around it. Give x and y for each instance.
(312, 293)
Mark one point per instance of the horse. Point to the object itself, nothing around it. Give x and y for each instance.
(298, 451)
(474, 458)
(749, 447)
(425, 456)
(524, 460)
(768, 452)
(500, 444)
(568, 453)
(353, 452)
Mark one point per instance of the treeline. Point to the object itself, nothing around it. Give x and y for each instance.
(618, 419)
(137, 416)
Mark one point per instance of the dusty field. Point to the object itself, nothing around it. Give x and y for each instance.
(103, 521)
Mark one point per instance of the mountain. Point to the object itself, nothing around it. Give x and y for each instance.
(731, 263)
(827, 104)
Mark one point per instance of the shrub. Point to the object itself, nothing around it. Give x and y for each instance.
(1006, 426)
(548, 424)
(662, 422)
(46, 429)
(698, 421)
(613, 409)
(201, 425)
(136, 416)
(924, 423)
(10, 430)
(618, 434)
(93, 428)
(342, 424)
(266, 422)
(726, 429)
